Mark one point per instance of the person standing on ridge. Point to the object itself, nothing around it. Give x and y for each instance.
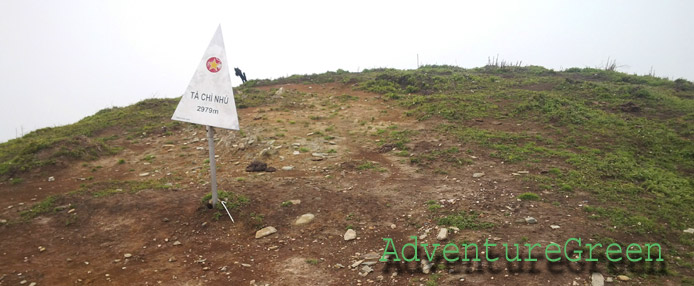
(240, 74)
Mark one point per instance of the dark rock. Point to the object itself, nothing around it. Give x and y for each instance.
(256, 166)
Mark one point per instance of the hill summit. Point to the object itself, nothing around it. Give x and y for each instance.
(443, 154)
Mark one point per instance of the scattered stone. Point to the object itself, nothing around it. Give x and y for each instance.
(23, 282)
(338, 266)
(42, 249)
(554, 226)
(304, 219)
(372, 256)
(265, 232)
(206, 268)
(426, 266)
(166, 219)
(270, 169)
(51, 179)
(531, 220)
(32, 284)
(689, 230)
(356, 263)
(177, 242)
(365, 270)
(172, 259)
(127, 255)
(317, 159)
(392, 225)
(597, 279)
(3, 221)
(61, 208)
(71, 211)
(145, 174)
(350, 235)
(295, 202)
(609, 280)
(288, 168)
(623, 278)
(478, 175)
(296, 153)
(523, 172)
(245, 265)
(443, 234)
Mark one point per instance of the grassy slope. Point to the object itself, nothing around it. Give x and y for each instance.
(638, 166)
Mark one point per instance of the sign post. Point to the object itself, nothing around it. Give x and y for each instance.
(213, 165)
(209, 99)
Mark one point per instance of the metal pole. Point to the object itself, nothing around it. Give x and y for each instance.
(213, 166)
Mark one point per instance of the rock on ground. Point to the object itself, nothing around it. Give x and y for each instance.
(265, 232)
(443, 234)
(304, 219)
(597, 279)
(350, 235)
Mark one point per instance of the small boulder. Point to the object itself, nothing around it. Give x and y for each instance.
(350, 235)
(265, 232)
(530, 220)
(304, 219)
(597, 279)
(443, 234)
(256, 166)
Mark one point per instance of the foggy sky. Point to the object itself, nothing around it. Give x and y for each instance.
(63, 60)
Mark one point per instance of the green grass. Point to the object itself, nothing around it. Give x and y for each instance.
(87, 139)
(529, 197)
(464, 220)
(47, 205)
(113, 187)
(233, 201)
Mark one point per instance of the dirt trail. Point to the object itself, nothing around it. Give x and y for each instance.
(173, 240)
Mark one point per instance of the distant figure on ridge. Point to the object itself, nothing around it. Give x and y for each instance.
(240, 74)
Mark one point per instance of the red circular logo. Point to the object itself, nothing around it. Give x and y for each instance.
(214, 64)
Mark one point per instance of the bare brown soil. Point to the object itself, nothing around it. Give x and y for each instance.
(88, 246)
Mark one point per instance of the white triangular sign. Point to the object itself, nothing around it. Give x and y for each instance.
(209, 98)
